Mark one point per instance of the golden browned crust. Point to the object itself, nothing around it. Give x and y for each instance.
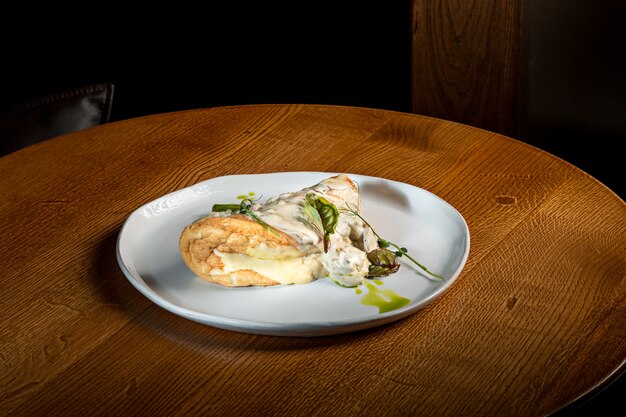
(232, 234)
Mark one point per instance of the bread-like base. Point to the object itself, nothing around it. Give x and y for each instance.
(231, 234)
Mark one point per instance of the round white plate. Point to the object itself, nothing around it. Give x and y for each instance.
(431, 229)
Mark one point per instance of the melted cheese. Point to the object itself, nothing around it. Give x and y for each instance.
(279, 253)
(298, 270)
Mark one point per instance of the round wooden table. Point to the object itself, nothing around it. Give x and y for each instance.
(534, 322)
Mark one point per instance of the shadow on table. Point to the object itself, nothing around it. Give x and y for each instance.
(115, 289)
(607, 401)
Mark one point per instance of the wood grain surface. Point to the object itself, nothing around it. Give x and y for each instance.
(535, 320)
(466, 61)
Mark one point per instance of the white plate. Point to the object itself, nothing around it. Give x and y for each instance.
(431, 229)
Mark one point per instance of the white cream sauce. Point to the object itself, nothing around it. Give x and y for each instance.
(346, 260)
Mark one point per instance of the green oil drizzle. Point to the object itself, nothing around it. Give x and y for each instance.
(385, 299)
(244, 196)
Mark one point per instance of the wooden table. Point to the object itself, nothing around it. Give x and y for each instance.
(535, 320)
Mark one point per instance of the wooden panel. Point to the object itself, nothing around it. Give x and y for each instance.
(465, 61)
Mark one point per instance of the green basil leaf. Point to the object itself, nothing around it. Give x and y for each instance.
(330, 216)
(310, 208)
(323, 215)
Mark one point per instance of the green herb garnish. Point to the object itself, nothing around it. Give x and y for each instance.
(384, 244)
(224, 207)
(323, 215)
(310, 208)
(245, 207)
(382, 263)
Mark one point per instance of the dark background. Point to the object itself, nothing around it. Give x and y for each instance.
(180, 59)
(573, 84)
(572, 69)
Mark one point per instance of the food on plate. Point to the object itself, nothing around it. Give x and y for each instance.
(293, 238)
